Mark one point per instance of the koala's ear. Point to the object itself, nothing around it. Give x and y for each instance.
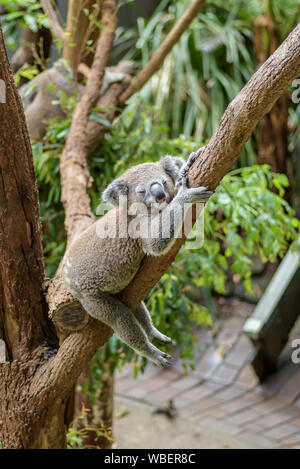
(114, 190)
(172, 165)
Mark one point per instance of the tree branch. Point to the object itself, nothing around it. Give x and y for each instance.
(235, 127)
(75, 177)
(78, 30)
(55, 26)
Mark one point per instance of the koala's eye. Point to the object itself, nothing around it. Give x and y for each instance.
(142, 191)
(164, 182)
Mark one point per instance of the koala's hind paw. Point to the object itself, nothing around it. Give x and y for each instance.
(164, 360)
(164, 339)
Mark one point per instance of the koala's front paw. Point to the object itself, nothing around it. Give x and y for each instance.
(194, 194)
(191, 160)
(193, 157)
(199, 194)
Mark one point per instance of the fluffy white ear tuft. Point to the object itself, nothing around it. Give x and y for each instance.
(114, 190)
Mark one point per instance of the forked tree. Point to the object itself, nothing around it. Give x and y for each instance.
(39, 373)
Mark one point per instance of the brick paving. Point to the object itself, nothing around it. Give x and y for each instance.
(223, 392)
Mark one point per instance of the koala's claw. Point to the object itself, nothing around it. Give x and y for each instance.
(185, 168)
(162, 359)
(193, 157)
(165, 360)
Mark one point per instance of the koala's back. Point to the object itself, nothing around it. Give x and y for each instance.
(97, 263)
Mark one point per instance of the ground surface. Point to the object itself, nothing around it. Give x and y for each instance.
(218, 405)
(141, 429)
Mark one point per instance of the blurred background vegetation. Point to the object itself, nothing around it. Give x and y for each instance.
(253, 212)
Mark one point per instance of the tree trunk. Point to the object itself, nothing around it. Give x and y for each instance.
(27, 419)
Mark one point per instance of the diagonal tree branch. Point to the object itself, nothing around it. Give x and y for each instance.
(235, 127)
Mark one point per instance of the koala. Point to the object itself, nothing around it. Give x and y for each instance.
(104, 259)
(40, 95)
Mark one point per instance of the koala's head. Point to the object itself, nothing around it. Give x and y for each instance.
(150, 184)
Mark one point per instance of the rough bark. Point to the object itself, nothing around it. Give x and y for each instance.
(24, 325)
(79, 29)
(22, 267)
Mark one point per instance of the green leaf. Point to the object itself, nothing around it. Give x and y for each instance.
(101, 120)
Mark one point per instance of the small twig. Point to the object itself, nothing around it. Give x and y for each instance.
(55, 26)
(159, 56)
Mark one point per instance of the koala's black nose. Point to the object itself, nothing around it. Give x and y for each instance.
(158, 193)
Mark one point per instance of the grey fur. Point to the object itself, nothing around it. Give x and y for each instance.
(172, 165)
(114, 190)
(96, 267)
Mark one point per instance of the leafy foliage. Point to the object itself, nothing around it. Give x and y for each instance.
(208, 66)
(21, 13)
(80, 428)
